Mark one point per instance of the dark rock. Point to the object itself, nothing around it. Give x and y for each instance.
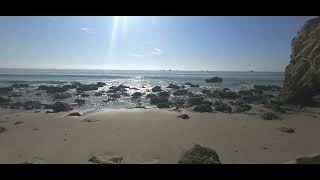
(193, 101)
(61, 107)
(143, 87)
(226, 94)
(302, 75)
(194, 85)
(159, 100)
(163, 105)
(136, 95)
(85, 95)
(164, 94)
(156, 89)
(2, 129)
(16, 85)
(134, 88)
(108, 100)
(16, 105)
(80, 101)
(53, 89)
(214, 80)
(208, 103)
(115, 89)
(151, 95)
(237, 102)
(217, 103)
(267, 88)
(101, 84)
(286, 130)
(180, 92)
(61, 96)
(4, 101)
(100, 93)
(183, 86)
(114, 96)
(5, 90)
(38, 94)
(223, 108)
(242, 108)
(178, 102)
(87, 87)
(203, 108)
(206, 91)
(47, 106)
(75, 114)
(269, 116)
(32, 105)
(173, 86)
(184, 116)
(200, 155)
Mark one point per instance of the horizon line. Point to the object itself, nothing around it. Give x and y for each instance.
(137, 69)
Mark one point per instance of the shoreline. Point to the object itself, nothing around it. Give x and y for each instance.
(155, 136)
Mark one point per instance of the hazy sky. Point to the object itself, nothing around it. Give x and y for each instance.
(154, 43)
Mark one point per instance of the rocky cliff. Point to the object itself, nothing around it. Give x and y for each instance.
(302, 75)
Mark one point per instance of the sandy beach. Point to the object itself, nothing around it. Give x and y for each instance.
(155, 136)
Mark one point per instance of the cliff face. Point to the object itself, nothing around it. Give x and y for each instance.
(302, 75)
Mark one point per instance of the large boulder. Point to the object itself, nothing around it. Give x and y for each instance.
(200, 155)
(214, 80)
(302, 75)
(223, 108)
(136, 95)
(156, 89)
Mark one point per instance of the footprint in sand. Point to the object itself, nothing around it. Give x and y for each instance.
(89, 120)
(147, 158)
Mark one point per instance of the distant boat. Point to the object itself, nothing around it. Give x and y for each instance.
(169, 70)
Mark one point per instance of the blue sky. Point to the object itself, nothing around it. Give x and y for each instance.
(227, 43)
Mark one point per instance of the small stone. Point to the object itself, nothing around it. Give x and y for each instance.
(75, 114)
(286, 130)
(2, 129)
(18, 122)
(184, 116)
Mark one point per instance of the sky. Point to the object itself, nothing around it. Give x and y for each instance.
(217, 43)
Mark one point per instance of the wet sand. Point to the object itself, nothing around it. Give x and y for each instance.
(155, 136)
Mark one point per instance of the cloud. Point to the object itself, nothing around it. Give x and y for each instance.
(156, 52)
(88, 30)
(146, 52)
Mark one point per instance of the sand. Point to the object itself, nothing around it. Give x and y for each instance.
(155, 136)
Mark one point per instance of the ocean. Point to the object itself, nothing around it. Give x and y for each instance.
(133, 78)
